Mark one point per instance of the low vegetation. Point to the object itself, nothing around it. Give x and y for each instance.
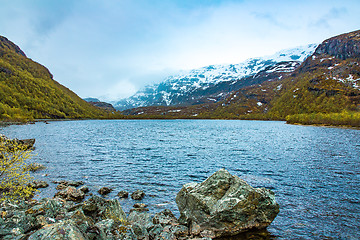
(14, 173)
(344, 118)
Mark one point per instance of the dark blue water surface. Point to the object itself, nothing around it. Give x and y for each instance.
(314, 171)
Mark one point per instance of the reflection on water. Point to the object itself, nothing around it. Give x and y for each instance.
(313, 171)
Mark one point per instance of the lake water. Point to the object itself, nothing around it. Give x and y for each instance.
(314, 171)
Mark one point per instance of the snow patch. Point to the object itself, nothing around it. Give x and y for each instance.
(166, 97)
(186, 82)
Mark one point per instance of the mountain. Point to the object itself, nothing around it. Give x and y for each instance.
(214, 83)
(324, 89)
(97, 103)
(28, 90)
(104, 105)
(327, 82)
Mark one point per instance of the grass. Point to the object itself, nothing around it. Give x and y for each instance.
(345, 118)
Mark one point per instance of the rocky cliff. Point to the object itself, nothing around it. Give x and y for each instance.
(342, 47)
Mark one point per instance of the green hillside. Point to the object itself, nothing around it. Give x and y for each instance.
(326, 84)
(28, 91)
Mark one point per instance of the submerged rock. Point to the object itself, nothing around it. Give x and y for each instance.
(84, 189)
(74, 183)
(34, 167)
(39, 184)
(138, 195)
(104, 190)
(123, 194)
(69, 183)
(225, 205)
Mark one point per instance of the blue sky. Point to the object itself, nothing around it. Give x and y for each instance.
(111, 48)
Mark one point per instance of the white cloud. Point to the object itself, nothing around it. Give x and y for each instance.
(122, 88)
(112, 48)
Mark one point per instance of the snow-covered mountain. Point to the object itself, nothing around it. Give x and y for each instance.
(214, 82)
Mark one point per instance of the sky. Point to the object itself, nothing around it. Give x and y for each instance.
(109, 49)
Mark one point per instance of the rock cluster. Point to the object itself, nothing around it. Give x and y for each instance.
(222, 205)
(96, 218)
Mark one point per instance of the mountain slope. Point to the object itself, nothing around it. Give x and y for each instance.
(327, 82)
(27, 90)
(213, 83)
(324, 89)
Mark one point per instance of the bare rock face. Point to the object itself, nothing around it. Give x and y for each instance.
(343, 46)
(225, 205)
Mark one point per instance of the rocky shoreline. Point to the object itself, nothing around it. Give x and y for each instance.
(223, 205)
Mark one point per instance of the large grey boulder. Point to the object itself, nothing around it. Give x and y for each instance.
(225, 205)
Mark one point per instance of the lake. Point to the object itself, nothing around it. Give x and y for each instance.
(314, 171)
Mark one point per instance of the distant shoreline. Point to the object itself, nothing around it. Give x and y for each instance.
(8, 123)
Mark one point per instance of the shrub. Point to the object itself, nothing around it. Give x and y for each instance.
(14, 173)
(345, 118)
